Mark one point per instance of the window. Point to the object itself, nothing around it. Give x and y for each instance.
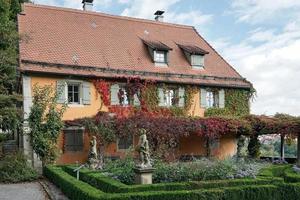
(197, 60)
(119, 95)
(123, 96)
(171, 97)
(212, 99)
(160, 56)
(125, 143)
(73, 139)
(73, 93)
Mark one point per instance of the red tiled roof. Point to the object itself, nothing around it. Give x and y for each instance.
(70, 37)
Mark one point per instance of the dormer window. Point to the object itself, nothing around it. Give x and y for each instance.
(197, 61)
(195, 55)
(159, 52)
(160, 56)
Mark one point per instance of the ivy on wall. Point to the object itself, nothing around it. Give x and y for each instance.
(148, 97)
(237, 103)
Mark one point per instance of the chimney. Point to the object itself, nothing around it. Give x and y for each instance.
(159, 15)
(87, 5)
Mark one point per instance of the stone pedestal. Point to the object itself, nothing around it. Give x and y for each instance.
(143, 175)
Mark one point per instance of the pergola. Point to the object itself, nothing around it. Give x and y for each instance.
(280, 124)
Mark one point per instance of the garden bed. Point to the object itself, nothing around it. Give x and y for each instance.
(94, 185)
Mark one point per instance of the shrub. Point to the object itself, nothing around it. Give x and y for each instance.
(290, 176)
(107, 184)
(247, 189)
(74, 189)
(274, 171)
(121, 170)
(198, 170)
(3, 137)
(13, 168)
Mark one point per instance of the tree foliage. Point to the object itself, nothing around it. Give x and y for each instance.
(10, 116)
(45, 122)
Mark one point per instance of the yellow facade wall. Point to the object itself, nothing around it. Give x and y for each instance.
(74, 111)
(192, 145)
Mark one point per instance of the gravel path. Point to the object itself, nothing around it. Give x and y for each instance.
(22, 191)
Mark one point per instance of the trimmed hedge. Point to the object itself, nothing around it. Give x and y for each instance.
(74, 189)
(274, 171)
(290, 176)
(247, 189)
(108, 184)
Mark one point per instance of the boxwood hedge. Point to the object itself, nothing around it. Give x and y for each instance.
(94, 186)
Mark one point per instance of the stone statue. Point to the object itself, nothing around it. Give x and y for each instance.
(93, 161)
(93, 151)
(143, 150)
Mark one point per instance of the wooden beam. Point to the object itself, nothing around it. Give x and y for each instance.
(298, 150)
(282, 147)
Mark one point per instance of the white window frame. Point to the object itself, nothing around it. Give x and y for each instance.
(79, 83)
(160, 56)
(74, 83)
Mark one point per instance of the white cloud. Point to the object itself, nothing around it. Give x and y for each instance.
(257, 11)
(273, 67)
(147, 8)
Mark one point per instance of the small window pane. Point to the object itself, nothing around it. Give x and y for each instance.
(73, 140)
(160, 56)
(75, 88)
(125, 143)
(123, 96)
(73, 93)
(171, 97)
(210, 99)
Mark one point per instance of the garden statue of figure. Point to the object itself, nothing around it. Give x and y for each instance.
(93, 161)
(93, 144)
(143, 150)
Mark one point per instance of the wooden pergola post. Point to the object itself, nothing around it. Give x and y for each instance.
(282, 147)
(298, 150)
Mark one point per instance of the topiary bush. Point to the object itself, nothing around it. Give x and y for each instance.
(14, 168)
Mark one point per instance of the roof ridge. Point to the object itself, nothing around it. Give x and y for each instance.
(108, 15)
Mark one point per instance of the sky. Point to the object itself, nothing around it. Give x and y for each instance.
(259, 38)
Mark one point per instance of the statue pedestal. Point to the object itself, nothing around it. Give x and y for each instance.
(143, 175)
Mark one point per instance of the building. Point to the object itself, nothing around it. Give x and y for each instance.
(69, 48)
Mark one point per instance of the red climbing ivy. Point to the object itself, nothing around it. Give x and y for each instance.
(103, 88)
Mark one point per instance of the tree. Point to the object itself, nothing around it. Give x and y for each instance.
(9, 114)
(45, 122)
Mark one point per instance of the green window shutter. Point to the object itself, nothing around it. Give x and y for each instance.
(136, 100)
(221, 98)
(61, 91)
(203, 98)
(161, 96)
(86, 93)
(69, 140)
(114, 90)
(78, 140)
(181, 97)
